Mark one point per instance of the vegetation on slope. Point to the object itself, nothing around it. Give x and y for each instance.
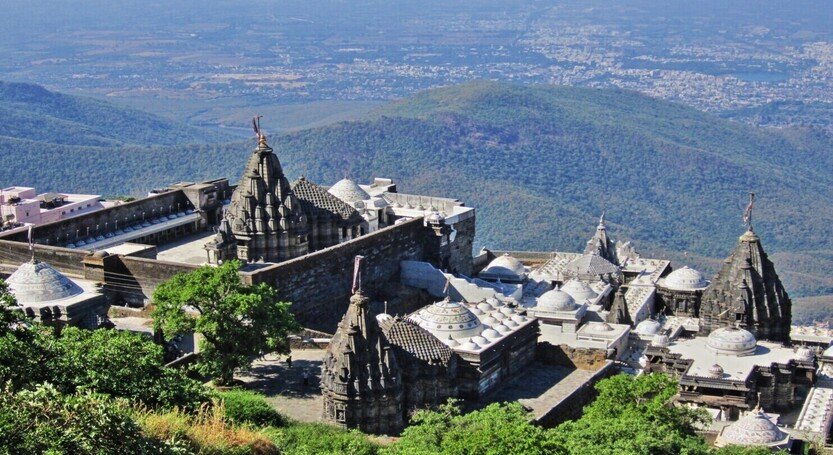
(540, 163)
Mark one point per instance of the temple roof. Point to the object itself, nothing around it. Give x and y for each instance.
(348, 191)
(591, 264)
(316, 201)
(39, 282)
(601, 244)
(415, 340)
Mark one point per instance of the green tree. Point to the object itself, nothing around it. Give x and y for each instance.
(633, 415)
(496, 429)
(237, 322)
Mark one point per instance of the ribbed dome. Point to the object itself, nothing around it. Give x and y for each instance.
(505, 266)
(731, 341)
(556, 300)
(753, 429)
(648, 327)
(660, 340)
(685, 279)
(348, 191)
(447, 318)
(38, 282)
(716, 371)
(579, 290)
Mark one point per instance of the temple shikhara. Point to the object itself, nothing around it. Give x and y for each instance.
(405, 314)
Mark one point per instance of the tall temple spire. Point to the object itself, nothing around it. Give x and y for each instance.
(749, 284)
(601, 245)
(265, 216)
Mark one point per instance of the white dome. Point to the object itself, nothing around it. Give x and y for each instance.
(480, 340)
(648, 327)
(519, 318)
(348, 191)
(491, 333)
(483, 306)
(447, 318)
(38, 282)
(451, 342)
(470, 345)
(685, 279)
(505, 266)
(753, 429)
(716, 371)
(579, 290)
(731, 341)
(502, 328)
(556, 300)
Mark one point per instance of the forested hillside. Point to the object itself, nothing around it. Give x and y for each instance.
(540, 163)
(33, 112)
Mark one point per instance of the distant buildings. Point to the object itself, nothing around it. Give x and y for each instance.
(20, 206)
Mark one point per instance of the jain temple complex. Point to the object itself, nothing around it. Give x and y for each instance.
(407, 315)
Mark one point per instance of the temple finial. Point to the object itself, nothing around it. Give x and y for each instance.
(357, 274)
(747, 214)
(261, 138)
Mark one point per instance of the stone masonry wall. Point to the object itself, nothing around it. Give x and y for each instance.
(65, 260)
(319, 284)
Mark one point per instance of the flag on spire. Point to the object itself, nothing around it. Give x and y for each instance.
(747, 214)
(357, 273)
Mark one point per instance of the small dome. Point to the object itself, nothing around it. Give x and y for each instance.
(447, 318)
(556, 300)
(39, 282)
(508, 311)
(505, 267)
(477, 311)
(491, 334)
(804, 354)
(480, 340)
(731, 341)
(451, 342)
(470, 345)
(660, 340)
(502, 328)
(685, 279)
(648, 327)
(716, 371)
(519, 318)
(489, 320)
(753, 429)
(510, 323)
(579, 290)
(494, 302)
(348, 191)
(498, 315)
(434, 217)
(483, 306)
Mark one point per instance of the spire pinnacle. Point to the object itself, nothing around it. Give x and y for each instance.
(747, 214)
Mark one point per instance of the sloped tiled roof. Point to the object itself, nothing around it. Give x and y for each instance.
(317, 201)
(591, 264)
(413, 339)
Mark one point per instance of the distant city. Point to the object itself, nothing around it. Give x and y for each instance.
(769, 63)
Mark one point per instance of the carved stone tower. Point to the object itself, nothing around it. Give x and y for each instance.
(265, 216)
(601, 244)
(360, 378)
(747, 290)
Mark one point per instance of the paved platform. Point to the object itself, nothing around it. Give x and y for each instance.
(540, 387)
(187, 250)
(284, 386)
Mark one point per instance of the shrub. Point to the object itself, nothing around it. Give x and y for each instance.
(320, 439)
(45, 421)
(243, 406)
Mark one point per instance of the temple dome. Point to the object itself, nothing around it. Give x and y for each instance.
(505, 266)
(648, 327)
(685, 279)
(556, 300)
(348, 191)
(447, 318)
(753, 429)
(660, 340)
(39, 282)
(731, 341)
(579, 290)
(804, 354)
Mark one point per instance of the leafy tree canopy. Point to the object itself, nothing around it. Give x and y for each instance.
(237, 322)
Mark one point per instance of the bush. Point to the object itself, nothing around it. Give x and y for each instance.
(320, 439)
(46, 421)
(245, 407)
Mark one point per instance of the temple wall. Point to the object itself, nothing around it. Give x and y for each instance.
(65, 260)
(319, 284)
(571, 406)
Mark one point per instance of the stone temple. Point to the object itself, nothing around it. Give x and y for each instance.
(434, 319)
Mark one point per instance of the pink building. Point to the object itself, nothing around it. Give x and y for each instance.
(20, 206)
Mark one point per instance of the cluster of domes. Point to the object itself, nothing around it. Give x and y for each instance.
(685, 279)
(731, 341)
(39, 282)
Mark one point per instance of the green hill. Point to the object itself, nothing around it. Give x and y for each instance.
(29, 111)
(540, 163)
